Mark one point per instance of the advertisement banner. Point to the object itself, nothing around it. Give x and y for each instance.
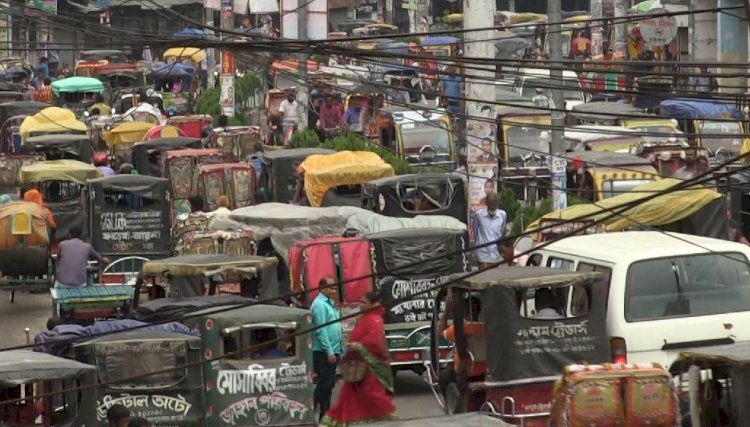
(46, 6)
(226, 100)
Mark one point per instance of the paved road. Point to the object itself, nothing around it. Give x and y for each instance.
(413, 396)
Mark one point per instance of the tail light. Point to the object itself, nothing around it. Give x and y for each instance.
(619, 350)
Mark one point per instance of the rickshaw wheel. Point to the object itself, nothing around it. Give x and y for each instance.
(454, 403)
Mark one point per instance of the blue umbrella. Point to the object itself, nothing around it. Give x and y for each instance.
(190, 33)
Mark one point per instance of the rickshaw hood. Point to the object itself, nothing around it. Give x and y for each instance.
(59, 170)
(51, 120)
(323, 172)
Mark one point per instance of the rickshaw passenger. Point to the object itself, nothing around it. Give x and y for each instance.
(101, 106)
(546, 305)
(118, 416)
(265, 349)
(34, 196)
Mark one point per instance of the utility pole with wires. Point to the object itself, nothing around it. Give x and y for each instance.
(621, 31)
(482, 164)
(557, 163)
(226, 99)
(302, 90)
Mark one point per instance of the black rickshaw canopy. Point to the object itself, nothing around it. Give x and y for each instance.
(254, 315)
(523, 277)
(609, 112)
(192, 341)
(144, 150)
(142, 185)
(63, 146)
(26, 367)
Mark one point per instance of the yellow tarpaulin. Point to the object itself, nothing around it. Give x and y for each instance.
(50, 121)
(325, 171)
(193, 53)
(58, 170)
(664, 209)
(127, 133)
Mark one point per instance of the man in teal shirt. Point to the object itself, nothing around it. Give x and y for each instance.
(326, 342)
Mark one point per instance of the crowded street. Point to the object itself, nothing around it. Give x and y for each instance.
(401, 214)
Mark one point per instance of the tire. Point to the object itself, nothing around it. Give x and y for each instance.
(454, 402)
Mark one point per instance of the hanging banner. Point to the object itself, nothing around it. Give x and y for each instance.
(226, 99)
(46, 6)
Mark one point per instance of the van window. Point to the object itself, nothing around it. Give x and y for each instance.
(594, 268)
(561, 263)
(160, 364)
(692, 285)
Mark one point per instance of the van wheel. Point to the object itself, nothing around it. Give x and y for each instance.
(454, 402)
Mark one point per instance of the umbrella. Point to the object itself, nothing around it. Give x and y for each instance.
(645, 6)
(190, 33)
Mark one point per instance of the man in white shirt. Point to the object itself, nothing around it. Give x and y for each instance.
(289, 109)
(489, 226)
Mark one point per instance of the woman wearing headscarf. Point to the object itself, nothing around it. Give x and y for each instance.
(34, 196)
(370, 399)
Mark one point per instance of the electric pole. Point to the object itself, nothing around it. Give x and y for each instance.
(479, 36)
(621, 34)
(558, 163)
(596, 28)
(302, 88)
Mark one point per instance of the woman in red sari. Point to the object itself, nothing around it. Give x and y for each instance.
(372, 398)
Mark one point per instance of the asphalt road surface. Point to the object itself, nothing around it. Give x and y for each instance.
(413, 397)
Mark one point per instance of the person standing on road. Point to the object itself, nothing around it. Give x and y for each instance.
(371, 398)
(690, 169)
(326, 342)
(73, 256)
(541, 100)
(489, 225)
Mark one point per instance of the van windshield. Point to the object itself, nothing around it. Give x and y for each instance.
(692, 285)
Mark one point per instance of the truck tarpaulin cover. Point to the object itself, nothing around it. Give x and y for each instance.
(523, 348)
(695, 109)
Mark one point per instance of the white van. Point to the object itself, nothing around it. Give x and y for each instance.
(529, 79)
(667, 291)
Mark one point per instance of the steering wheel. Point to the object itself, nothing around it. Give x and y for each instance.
(722, 155)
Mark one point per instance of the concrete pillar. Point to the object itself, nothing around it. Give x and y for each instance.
(732, 45)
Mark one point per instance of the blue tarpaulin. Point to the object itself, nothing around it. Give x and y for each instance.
(698, 109)
(174, 70)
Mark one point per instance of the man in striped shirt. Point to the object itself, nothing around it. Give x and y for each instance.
(44, 94)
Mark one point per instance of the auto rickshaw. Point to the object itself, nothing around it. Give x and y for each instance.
(336, 179)
(236, 141)
(147, 155)
(191, 126)
(350, 24)
(521, 317)
(261, 369)
(26, 378)
(607, 174)
(25, 250)
(418, 134)
(236, 180)
(176, 86)
(76, 93)
(715, 126)
(523, 144)
(406, 196)
(712, 385)
(375, 30)
(180, 167)
(600, 138)
(198, 275)
(373, 98)
(667, 155)
(156, 375)
(12, 115)
(99, 124)
(611, 394)
(417, 259)
(93, 60)
(441, 46)
(603, 113)
(122, 85)
(283, 73)
(61, 183)
(122, 138)
(61, 147)
(279, 171)
(51, 120)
